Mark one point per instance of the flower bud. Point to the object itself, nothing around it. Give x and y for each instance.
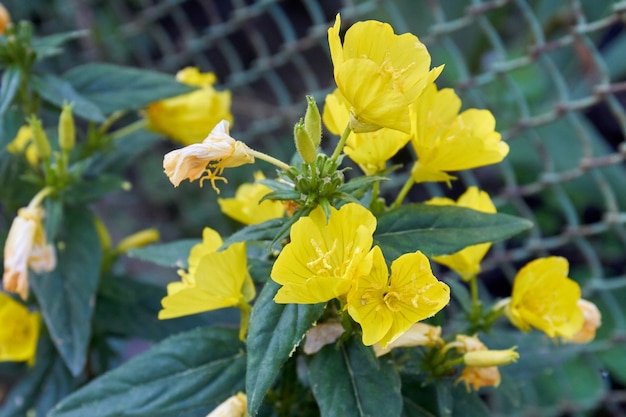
(40, 139)
(313, 121)
(67, 130)
(305, 146)
(484, 358)
(137, 240)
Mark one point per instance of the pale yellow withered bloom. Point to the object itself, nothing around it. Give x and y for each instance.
(379, 73)
(208, 159)
(445, 140)
(26, 247)
(593, 320)
(466, 262)
(235, 406)
(189, 117)
(419, 334)
(370, 150)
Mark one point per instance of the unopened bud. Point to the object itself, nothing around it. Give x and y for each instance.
(103, 234)
(67, 130)
(40, 139)
(305, 146)
(483, 358)
(313, 121)
(137, 240)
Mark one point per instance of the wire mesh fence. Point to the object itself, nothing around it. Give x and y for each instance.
(552, 73)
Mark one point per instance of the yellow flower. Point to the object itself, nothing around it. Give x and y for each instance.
(214, 280)
(466, 262)
(189, 117)
(235, 406)
(19, 331)
(218, 151)
(5, 19)
(370, 150)
(419, 334)
(545, 298)
(23, 143)
(446, 141)
(379, 73)
(245, 207)
(481, 363)
(387, 306)
(324, 257)
(593, 320)
(26, 247)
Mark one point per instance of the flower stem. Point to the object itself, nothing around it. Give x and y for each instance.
(403, 192)
(131, 128)
(267, 158)
(341, 143)
(39, 197)
(110, 120)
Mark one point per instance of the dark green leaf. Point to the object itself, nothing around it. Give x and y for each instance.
(262, 231)
(360, 183)
(10, 83)
(50, 45)
(113, 87)
(348, 380)
(66, 295)
(275, 331)
(185, 375)
(282, 195)
(122, 152)
(55, 90)
(10, 123)
(172, 254)
(441, 230)
(89, 190)
(45, 384)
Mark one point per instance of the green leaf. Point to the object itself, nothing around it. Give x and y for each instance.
(185, 375)
(55, 90)
(360, 183)
(50, 45)
(348, 380)
(88, 190)
(275, 330)
(9, 84)
(262, 231)
(66, 295)
(44, 384)
(172, 254)
(114, 88)
(10, 123)
(441, 230)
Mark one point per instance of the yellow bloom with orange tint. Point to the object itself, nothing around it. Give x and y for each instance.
(5, 19)
(247, 208)
(379, 73)
(593, 320)
(207, 160)
(19, 331)
(26, 247)
(445, 140)
(545, 298)
(466, 262)
(325, 256)
(370, 150)
(189, 117)
(386, 306)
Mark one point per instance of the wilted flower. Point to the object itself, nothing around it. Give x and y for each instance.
(379, 73)
(26, 247)
(419, 334)
(466, 262)
(321, 335)
(593, 320)
(370, 150)
(545, 298)
(209, 158)
(246, 206)
(19, 331)
(324, 256)
(235, 406)
(5, 18)
(387, 306)
(447, 141)
(189, 117)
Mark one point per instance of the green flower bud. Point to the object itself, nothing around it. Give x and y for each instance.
(67, 130)
(40, 139)
(305, 146)
(313, 121)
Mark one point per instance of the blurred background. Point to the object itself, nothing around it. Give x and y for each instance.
(552, 72)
